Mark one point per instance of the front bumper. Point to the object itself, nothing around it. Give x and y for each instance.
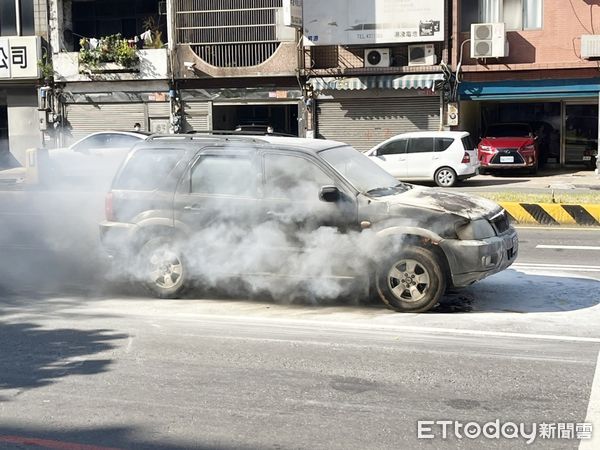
(472, 260)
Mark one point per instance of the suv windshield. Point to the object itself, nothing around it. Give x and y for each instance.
(362, 173)
(508, 130)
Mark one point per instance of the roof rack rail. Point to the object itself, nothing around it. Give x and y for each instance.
(240, 133)
(206, 136)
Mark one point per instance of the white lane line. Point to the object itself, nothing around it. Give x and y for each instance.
(568, 247)
(555, 267)
(372, 327)
(593, 413)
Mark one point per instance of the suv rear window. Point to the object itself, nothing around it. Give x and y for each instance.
(468, 143)
(146, 169)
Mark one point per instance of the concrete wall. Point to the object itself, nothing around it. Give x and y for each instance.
(23, 128)
(556, 46)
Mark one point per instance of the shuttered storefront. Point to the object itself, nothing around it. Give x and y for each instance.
(196, 116)
(86, 118)
(365, 122)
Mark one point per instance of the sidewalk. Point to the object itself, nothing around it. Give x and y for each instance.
(558, 180)
(520, 196)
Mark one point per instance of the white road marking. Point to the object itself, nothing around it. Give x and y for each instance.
(555, 228)
(593, 413)
(372, 327)
(568, 247)
(561, 267)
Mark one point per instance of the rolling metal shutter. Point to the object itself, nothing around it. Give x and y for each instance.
(86, 118)
(365, 122)
(159, 109)
(196, 116)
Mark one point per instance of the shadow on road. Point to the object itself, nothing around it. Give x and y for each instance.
(97, 438)
(33, 356)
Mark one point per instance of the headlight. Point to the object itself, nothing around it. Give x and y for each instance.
(529, 148)
(486, 148)
(475, 229)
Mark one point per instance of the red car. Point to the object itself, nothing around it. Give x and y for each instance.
(508, 146)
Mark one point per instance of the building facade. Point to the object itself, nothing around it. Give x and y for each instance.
(375, 69)
(23, 51)
(540, 67)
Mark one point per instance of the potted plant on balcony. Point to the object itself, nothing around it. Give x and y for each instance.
(108, 54)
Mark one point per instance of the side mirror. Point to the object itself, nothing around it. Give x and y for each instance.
(330, 194)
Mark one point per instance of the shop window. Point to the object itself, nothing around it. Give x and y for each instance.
(516, 14)
(16, 18)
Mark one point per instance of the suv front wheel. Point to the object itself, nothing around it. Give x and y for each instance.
(411, 281)
(162, 268)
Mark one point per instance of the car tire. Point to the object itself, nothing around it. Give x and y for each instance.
(445, 177)
(534, 170)
(411, 281)
(162, 268)
(483, 171)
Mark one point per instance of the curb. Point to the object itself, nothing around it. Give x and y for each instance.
(553, 213)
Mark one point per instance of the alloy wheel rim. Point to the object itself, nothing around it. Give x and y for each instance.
(445, 177)
(166, 268)
(408, 280)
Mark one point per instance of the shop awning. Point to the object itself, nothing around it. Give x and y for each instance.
(530, 89)
(412, 81)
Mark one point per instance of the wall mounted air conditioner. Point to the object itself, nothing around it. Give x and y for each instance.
(488, 40)
(377, 57)
(590, 46)
(421, 55)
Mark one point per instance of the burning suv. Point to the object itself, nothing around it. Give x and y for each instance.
(508, 146)
(285, 214)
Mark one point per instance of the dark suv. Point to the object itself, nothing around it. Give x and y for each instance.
(299, 212)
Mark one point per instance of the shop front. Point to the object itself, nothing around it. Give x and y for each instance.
(364, 111)
(252, 108)
(562, 113)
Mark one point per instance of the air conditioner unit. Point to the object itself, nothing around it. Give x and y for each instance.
(377, 57)
(421, 55)
(488, 40)
(590, 46)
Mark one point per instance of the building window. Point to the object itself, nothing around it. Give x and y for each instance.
(16, 18)
(516, 14)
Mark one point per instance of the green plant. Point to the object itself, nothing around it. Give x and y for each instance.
(108, 49)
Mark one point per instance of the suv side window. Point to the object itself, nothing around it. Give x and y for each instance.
(420, 145)
(393, 148)
(147, 169)
(223, 175)
(442, 144)
(293, 177)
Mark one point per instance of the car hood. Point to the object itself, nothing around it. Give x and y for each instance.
(501, 142)
(439, 200)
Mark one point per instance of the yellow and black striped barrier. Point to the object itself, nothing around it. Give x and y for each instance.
(553, 213)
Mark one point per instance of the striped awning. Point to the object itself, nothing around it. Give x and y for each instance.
(412, 81)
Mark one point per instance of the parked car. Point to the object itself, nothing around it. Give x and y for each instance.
(96, 157)
(509, 146)
(171, 190)
(444, 157)
(590, 157)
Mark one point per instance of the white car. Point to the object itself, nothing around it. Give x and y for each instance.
(442, 156)
(94, 157)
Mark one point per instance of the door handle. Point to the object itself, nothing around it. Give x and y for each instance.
(192, 208)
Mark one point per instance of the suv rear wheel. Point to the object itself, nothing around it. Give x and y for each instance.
(412, 281)
(445, 177)
(162, 268)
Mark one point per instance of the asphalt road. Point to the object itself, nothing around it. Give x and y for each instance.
(86, 365)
